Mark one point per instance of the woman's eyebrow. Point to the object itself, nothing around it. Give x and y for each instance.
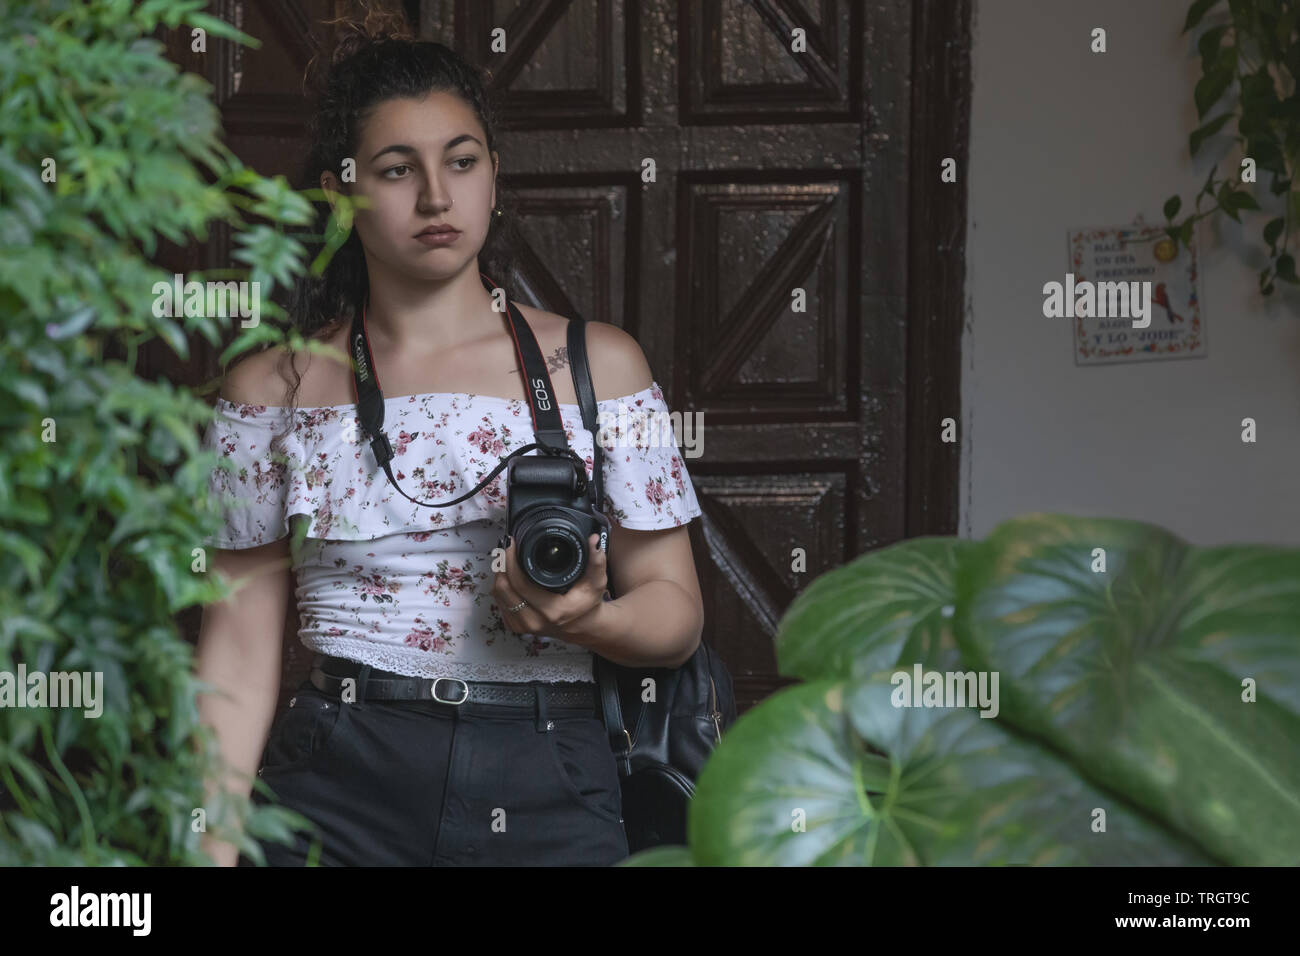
(405, 150)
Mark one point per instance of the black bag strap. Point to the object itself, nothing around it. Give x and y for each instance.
(582, 387)
(620, 741)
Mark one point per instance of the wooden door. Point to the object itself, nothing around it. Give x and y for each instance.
(765, 269)
(792, 265)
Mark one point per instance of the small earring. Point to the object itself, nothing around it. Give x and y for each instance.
(498, 212)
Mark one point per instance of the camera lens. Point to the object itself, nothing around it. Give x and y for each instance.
(552, 549)
(554, 554)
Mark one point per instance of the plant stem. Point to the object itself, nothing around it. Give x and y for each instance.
(68, 552)
(21, 798)
(79, 798)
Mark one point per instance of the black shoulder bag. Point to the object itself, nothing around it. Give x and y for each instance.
(661, 750)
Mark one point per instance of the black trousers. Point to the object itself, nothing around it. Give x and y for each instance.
(421, 783)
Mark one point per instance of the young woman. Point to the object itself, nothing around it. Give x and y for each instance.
(472, 733)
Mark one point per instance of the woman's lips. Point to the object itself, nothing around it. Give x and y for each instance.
(437, 238)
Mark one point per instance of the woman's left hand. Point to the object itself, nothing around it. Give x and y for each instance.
(548, 614)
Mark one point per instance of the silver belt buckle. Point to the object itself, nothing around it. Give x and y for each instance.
(464, 697)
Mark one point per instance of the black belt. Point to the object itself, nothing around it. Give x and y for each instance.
(328, 674)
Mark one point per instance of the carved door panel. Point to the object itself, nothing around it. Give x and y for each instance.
(729, 182)
(732, 183)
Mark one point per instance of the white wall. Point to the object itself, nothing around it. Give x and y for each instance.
(1062, 137)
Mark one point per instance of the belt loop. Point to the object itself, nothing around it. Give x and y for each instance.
(543, 723)
(363, 676)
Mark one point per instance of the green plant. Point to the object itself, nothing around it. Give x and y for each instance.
(105, 146)
(1152, 681)
(1258, 51)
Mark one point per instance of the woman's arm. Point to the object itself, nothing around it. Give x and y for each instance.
(241, 637)
(658, 618)
(238, 652)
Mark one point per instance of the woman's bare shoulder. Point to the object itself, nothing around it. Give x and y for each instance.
(618, 365)
(265, 377)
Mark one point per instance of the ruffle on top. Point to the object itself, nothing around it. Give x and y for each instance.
(444, 443)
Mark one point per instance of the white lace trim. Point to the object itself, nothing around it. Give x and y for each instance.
(413, 662)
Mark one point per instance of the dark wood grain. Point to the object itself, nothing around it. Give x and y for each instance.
(773, 171)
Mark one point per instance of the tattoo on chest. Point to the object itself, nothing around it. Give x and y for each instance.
(559, 359)
(556, 361)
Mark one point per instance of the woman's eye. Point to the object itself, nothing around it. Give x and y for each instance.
(465, 159)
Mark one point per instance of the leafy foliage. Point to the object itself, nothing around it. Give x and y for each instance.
(1161, 687)
(1257, 48)
(104, 147)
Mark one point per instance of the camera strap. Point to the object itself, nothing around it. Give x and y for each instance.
(548, 427)
(586, 392)
(603, 670)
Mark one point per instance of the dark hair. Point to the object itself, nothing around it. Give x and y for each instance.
(377, 59)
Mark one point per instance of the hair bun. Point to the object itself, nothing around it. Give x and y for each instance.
(372, 24)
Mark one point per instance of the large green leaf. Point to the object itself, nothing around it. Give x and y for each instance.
(833, 773)
(887, 607)
(1136, 672)
(660, 856)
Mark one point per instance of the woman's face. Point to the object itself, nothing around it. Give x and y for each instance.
(422, 163)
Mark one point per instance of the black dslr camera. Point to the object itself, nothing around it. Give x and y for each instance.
(550, 515)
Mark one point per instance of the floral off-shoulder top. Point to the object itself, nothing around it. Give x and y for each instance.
(405, 588)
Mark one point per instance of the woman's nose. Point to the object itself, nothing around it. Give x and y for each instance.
(433, 196)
